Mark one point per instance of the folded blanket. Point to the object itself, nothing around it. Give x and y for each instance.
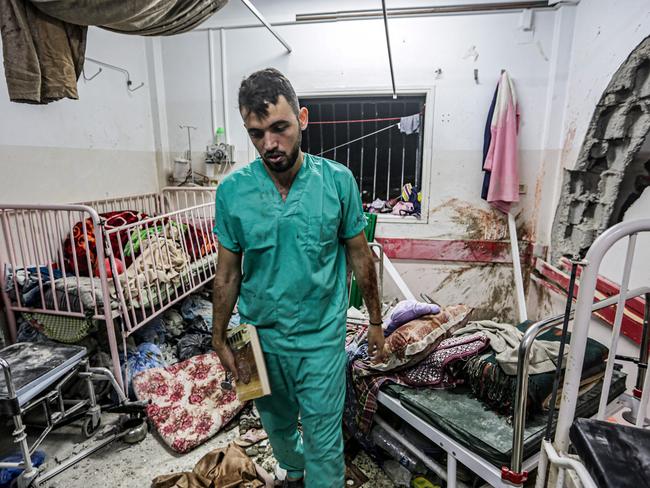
(505, 340)
(494, 387)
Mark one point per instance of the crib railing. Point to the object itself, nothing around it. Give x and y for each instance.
(39, 243)
(178, 197)
(185, 266)
(148, 203)
(33, 239)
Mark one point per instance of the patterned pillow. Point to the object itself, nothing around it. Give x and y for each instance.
(417, 338)
(187, 406)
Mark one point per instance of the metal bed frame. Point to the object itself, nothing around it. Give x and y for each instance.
(555, 454)
(33, 235)
(517, 473)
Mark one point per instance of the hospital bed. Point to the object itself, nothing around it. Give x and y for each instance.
(52, 249)
(503, 451)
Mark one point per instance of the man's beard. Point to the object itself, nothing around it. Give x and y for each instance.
(286, 162)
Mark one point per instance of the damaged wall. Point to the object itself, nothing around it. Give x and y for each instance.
(617, 132)
(98, 146)
(604, 34)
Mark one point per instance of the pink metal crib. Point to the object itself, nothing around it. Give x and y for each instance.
(33, 236)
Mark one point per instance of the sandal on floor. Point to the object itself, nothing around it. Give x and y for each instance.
(251, 437)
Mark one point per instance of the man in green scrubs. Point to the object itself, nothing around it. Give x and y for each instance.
(284, 224)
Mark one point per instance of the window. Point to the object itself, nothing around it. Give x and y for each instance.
(361, 132)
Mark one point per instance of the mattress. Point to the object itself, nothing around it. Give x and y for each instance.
(487, 433)
(36, 366)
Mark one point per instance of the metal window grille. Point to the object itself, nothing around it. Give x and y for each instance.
(381, 163)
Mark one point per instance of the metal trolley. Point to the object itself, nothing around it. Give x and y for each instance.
(37, 375)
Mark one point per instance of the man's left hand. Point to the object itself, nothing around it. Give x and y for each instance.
(376, 344)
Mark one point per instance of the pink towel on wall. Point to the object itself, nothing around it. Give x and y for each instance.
(502, 158)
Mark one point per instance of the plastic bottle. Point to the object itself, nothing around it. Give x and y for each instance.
(220, 136)
(392, 446)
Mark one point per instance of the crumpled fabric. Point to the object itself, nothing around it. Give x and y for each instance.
(505, 340)
(196, 307)
(145, 356)
(193, 345)
(26, 280)
(408, 310)
(141, 17)
(27, 333)
(44, 42)
(153, 332)
(174, 325)
(410, 124)
(169, 353)
(7, 475)
(160, 262)
(43, 56)
(227, 467)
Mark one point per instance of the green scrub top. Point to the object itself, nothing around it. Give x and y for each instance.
(293, 285)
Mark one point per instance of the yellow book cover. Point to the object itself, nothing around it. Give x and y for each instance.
(253, 379)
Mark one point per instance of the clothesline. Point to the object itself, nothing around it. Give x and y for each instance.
(385, 119)
(357, 139)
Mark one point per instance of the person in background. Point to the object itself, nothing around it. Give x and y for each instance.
(284, 224)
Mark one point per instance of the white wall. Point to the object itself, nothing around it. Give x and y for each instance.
(350, 56)
(101, 145)
(605, 33)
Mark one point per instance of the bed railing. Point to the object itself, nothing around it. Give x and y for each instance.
(556, 452)
(148, 203)
(515, 473)
(34, 236)
(178, 197)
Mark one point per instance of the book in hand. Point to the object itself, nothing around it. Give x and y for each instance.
(253, 380)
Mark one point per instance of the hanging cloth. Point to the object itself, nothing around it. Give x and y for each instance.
(44, 41)
(487, 139)
(502, 159)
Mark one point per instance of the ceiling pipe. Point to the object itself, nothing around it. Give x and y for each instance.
(420, 11)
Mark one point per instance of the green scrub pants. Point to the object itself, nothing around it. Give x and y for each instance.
(314, 388)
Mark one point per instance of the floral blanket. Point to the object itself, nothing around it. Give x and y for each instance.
(187, 406)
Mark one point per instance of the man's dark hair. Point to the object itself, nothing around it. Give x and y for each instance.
(264, 87)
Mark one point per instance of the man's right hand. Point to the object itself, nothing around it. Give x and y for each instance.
(226, 357)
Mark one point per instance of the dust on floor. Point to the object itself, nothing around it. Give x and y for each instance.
(122, 465)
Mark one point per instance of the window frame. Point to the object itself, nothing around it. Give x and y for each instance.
(427, 141)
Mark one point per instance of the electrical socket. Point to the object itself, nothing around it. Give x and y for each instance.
(522, 188)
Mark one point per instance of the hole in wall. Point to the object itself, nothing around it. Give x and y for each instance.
(613, 166)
